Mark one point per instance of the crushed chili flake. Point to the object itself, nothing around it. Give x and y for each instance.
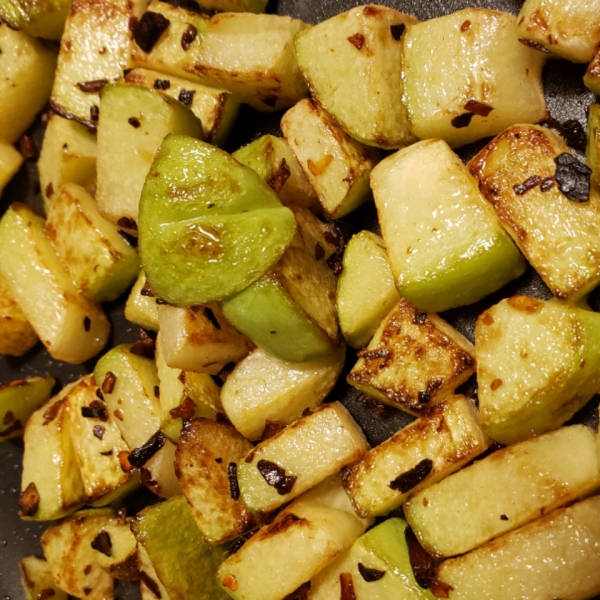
(424, 397)
(528, 184)
(373, 354)
(357, 40)
(92, 86)
(134, 122)
(162, 84)
(186, 410)
(98, 431)
(108, 385)
(478, 108)
(27, 148)
(96, 410)
(271, 428)
(29, 500)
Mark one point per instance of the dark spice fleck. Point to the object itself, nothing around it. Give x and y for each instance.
(572, 177)
(462, 121)
(528, 184)
(275, 476)
(149, 29)
(234, 488)
(411, 478)
(147, 291)
(103, 543)
(219, 460)
(319, 251)
(98, 431)
(145, 346)
(337, 268)
(92, 86)
(87, 322)
(465, 26)
(186, 97)
(150, 584)
(188, 36)
(347, 587)
(127, 223)
(49, 190)
(140, 456)
(534, 45)
(162, 84)
(478, 108)
(357, 40)
(130, 239)
(27, 148)
(186, 410)
(210, 315)
(420, 560)
(29, 500)
(419, 318)
(107, 453)
(156, 391)
(87, 591)
(108, 385)
(271, 428)
(94, 113)
(96, 410)
(368, 574)
(547, 183)
(424, 397)
(397, 30)
(503, 517)
(277, 181)
(134, 122)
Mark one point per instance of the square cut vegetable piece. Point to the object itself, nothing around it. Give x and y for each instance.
(440, 442)
(72, 328)
(538, 363)
(414, 360)
(337, 166)
(27, 68)
(68, 155)
(303, 539)
(468, 77)
(556, 556)
(568, 30)
(351, 63)
(94, 50)
(37, 579)
(16, 333)
(504, 490)
(517, 174)
(100, 261)
(251, 55)
(445, 246)
(141, 307)
(299, 457)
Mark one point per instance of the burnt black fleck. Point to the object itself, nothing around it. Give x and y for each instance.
(572, 177)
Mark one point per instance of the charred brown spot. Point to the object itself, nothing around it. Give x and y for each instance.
(145, 346)
(188, 36)
(271, 429)
(462, 121)
(478, 108)
(572, 177)
(126, 466)
(528, 184)
(12, 428)
(149, 30)
(234, 487)
(275, 476)
(147, 291)
(161, 84)
(534, 45)
(98, 431)
(210, 315)
(87, 591)
(368, 574)
(319, 251)
(487, 319)
(277, 181)
(186, 97)
(230, 582)
(127, 223)
(424, 397)
(51, 412)
(411, 478)
(300, 593)
(108, 385)
(92, 86)
(140, 456)
(283, 523)
(150, 584)
(357, 40)
(134, 122)
(107, 453)
(103, 543)
(547, 183)
(465, 26)
(495, 384)
(419, 318)
(186, 410)
(27, 148)
(525, 303)
(347, 587)
(96, 410)
(87, 570)
(397, 31)
(504, 517)
(29, 500)
(373, 354)
(420, 560)
(94, 113)
(49, 190)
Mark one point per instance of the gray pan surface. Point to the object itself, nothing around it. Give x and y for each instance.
(567, 99)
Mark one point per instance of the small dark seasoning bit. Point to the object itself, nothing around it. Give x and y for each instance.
(503, 518)
(572, 177)
(94, 113)
(528, 184)
(462, 121)
(98, 431)
(87, 322)
(234, 488)
(357, 40)
(277, 181)
(347, 587)
(420, 560)
(162, 84)
(147, 291)
(108, 385)
(424, 397)
(373, 354)
(547, 183)
(420, 318)
(107, 453)
(411, 478)
(29, 500)
(149, 29)
(368, 574)
(27, 148)
(210, 315)
(96, 410)
(275, 476)
(186, 97)
(478, 108)
(127, 223)
(271, 428)
(92, 86)
(134, 122)
(397, 30)
(186, 410)
(156, 391)
(102, 543)
(140, 456)
(188, 36)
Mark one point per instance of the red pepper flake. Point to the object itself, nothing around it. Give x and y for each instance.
(134, 122)
(277, 181)
(186, 97)
(503, 517)
(87, 570)
(188, 36)
(126, 466)
(186, 410)
(98, 431)
(465, 26)
(368, 574)
(496, 384)
(145, 346)
(230, 582)
(87, 591)
(147, 292)
(357, 40)
(528, 184)
(347, 587)
(462, 121)
(478, 108)
(397, 31)
(234, 488)
(149, 30)
(411, 478)
(103, 543)
(127, 223)
(108, 385)
(27, 148)
(29, 500)
(420, 560)
(140, 456)
(275, 476)
(92, 86)
(96, 410)
(118, 413)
